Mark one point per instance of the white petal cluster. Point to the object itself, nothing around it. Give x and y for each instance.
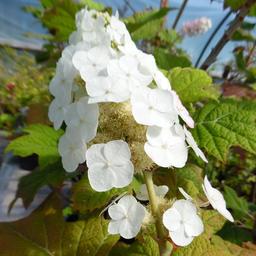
(160, 191)
(197, 26)
(216, 199)
(167, 146)
(182, 222)
(103, 64)
(126, 217)
(109, 165)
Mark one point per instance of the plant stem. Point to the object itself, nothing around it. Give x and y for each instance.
(211, 37)
(179, 13)
(228, 34)
(154, 207)
(164, 4)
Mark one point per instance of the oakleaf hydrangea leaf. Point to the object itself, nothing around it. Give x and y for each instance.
(192, 85)
(222, 125)
(144, 246)
(86, 199)
(51, 235)
(146, 25)
(41, 140)
(238, 204)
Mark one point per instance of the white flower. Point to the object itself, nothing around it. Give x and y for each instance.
(109, 165)
(197, 26)
(216, 199)
(182, 111)
(165, 147)
(153, 107)
(147, 66)
(161, 191)
(56, 113)
(182, 222)
(126, 217)
(72, 150)
(118, 31)
(91, 63)
(61, 87)
(105, 89)
(191, 142)
(82, 118)
(68, 69)
(91, 26)
(126, 69)
(162, 81)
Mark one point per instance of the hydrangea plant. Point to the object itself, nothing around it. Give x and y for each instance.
(100, 71)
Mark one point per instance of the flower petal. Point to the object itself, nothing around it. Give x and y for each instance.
(122, 175)
(94, 155)
(194, 225)
(100, 179)
(116, 212)
(180, 238)
(114, 226)
(117, 152)
(172, 219)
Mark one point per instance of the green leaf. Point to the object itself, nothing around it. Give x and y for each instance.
(146, 24)
(243, 35)
(202, 246)
(189, 178)
(52, 174)
(213, 222)
(45, 233)
(59, 18)
(238, 204)
(41, 140)
(232, 249)
(144, 246)
(169, 37)
(234, 4)
(86, 199)
(167, 60)
(188, 175)
(240, 60)
(235, 234)
(192, 85)
(220, 125)
(248, 25)
(93, 5)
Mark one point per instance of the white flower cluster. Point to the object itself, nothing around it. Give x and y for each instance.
(182, 220)
(197, 26)
(102, 64)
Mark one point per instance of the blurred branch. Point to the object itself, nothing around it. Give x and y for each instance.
(130, 6)
(248, 59)
(228, 34)
(179, 13)
(164, 3)
(212, 36)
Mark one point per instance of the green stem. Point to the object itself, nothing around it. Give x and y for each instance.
(163, 244)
